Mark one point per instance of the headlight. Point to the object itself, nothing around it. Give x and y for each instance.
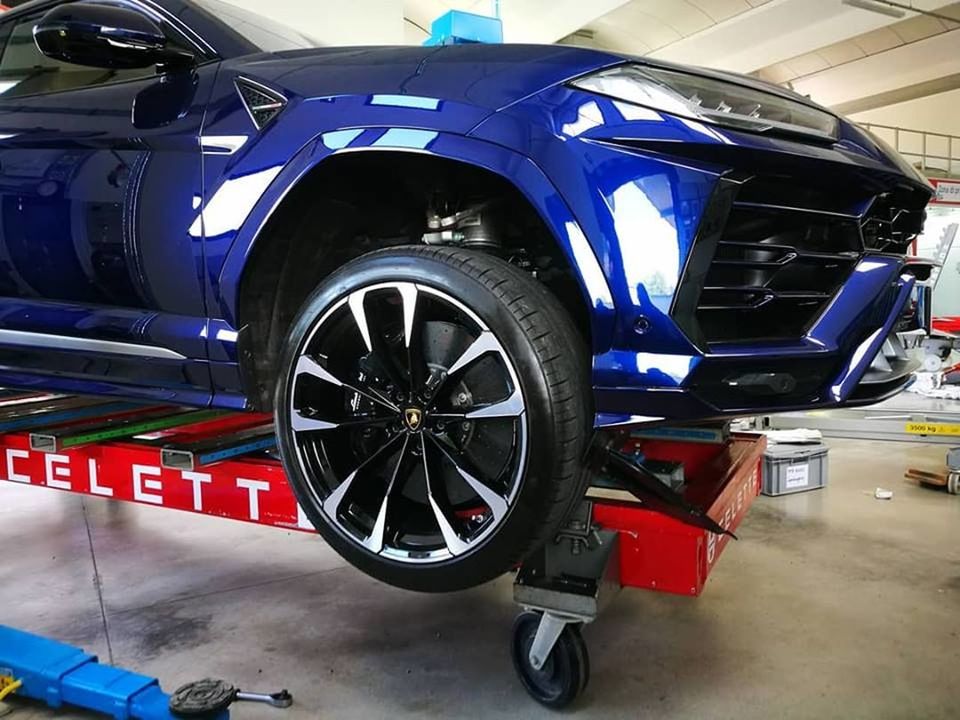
(708, 100)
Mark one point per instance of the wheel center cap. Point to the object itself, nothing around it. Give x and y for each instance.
(413, 418)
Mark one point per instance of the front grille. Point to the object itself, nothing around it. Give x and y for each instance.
(771, 254)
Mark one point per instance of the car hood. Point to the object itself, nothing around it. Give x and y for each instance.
(486, 76)
(489, 76)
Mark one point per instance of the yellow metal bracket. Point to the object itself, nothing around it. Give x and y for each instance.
(8, 685)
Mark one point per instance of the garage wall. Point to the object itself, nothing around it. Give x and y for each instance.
(934, 113)
(355, 22)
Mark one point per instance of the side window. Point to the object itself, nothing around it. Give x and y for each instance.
(24, 70)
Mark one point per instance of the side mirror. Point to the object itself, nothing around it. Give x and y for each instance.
(105, 36)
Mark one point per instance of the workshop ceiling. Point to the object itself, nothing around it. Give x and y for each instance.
(875, 42)
(643, 26)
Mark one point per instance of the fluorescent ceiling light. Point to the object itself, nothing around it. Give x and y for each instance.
(876, 6)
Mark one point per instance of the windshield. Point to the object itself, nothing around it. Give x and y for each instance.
(266, 34)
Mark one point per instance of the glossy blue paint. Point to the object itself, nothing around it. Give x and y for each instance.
(523, 173)
(846, 382)
(129, 210)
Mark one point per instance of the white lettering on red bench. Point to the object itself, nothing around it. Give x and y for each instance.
(56, 467)
(198, 479)
(239, 490)
(731, 515)
(13, 454)
(95, 487)
(253, 487)
(141, 484)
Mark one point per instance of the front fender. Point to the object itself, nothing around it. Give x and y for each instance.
(514, 167)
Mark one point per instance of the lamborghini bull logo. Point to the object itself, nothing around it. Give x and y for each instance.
(413, 417)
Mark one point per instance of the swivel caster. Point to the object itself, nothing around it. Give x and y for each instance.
(953, 483)
(550, 657)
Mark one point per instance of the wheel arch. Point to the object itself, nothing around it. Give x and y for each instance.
(258, 300)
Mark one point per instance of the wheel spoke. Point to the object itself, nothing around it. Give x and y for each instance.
(373, 335)
(455, 544)
(485, 343)
(375, 395)
(408, 296)
(304, 423)
(332, 502)
(360, 316)
(481, 346)
(511, 407)
(374, 542)
(301, 423)
(493, 500)
(411, 336)
(306, 365)
(367, 422)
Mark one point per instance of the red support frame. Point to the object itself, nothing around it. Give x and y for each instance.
(657, 552)
(252, 490)
(661, 553)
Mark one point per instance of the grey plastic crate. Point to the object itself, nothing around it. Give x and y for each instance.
(794, 468)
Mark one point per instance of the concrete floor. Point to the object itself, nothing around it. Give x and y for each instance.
(832, 605)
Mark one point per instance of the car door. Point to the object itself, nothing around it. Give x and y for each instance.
(101, 258)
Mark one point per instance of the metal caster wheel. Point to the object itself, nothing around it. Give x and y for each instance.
(565, 671)
(953, 483)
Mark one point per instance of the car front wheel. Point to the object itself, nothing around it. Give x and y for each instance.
(432, 414)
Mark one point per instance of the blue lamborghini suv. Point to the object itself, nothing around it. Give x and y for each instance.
(443, 269)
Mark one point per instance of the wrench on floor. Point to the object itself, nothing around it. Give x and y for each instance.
(200, 698)
(282, 699)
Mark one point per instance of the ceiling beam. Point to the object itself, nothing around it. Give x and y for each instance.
(901, 73)
(777, 31)
(904, 94)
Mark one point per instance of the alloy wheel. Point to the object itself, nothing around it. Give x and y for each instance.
(409, 421)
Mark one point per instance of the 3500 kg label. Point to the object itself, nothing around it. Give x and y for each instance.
(930, 428)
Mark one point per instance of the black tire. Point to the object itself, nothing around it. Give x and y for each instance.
(565, 674)
(552, 367)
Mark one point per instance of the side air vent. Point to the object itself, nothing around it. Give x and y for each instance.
(262, 103)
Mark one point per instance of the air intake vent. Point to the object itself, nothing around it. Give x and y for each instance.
(774, 270)
(772, 252)
(889, 227)
(261, 102)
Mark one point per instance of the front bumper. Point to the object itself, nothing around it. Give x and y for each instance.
(748, 273)
(828, 369)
